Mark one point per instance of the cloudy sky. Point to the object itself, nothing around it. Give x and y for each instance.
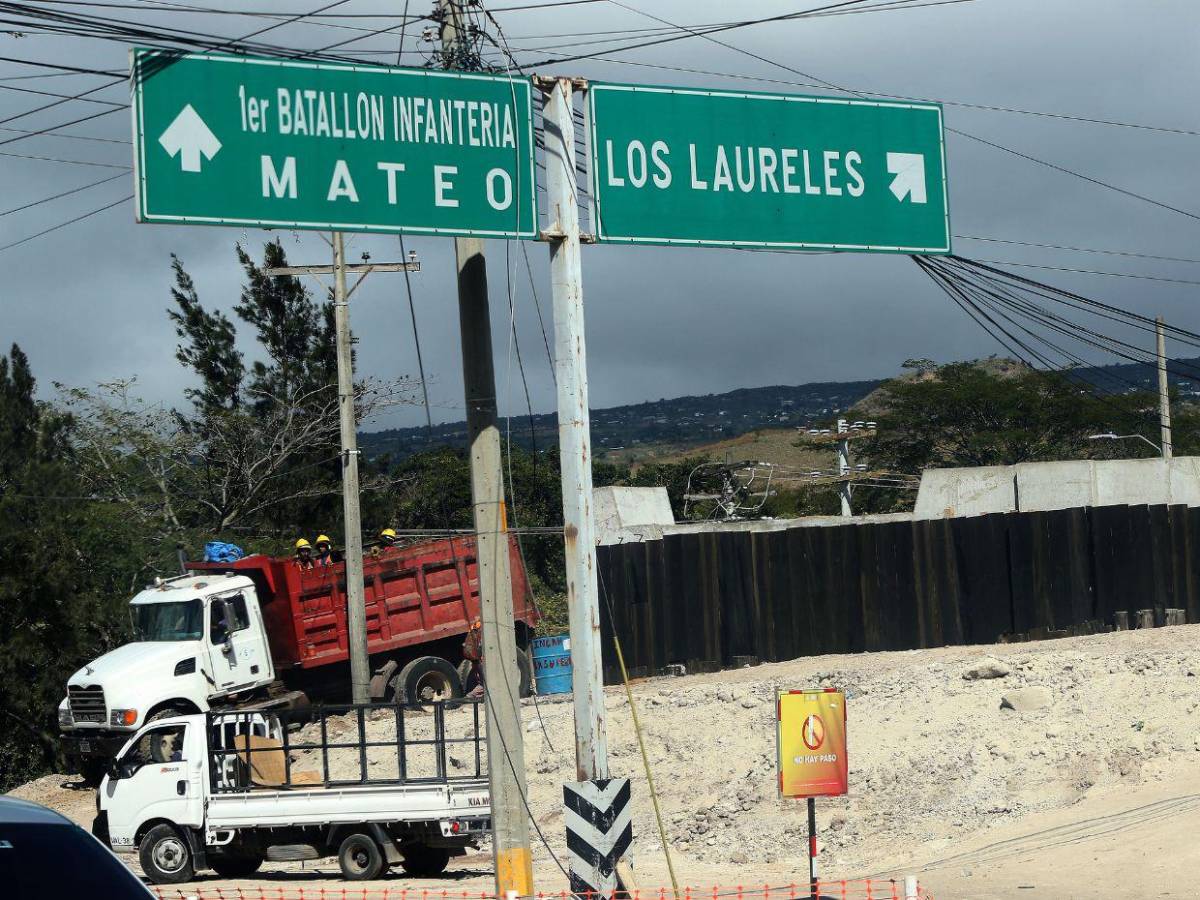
(87, 302)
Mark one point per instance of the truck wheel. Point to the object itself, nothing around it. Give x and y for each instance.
(423, 861)
(92, 770)
(100, 828)
(241, 866)
(426, 679)
(359, 858)
(165, 856)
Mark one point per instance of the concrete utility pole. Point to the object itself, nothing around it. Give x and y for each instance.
(843, 456)
(505, 739)
(574, 430)
(356, 607)
(356, 612)
(1164, 395)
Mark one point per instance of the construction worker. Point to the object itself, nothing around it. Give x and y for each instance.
(324, 548)
(387, 538)
(472, 652)
(304, 554)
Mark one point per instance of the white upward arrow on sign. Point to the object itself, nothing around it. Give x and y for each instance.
(188, 137)
(909, 169)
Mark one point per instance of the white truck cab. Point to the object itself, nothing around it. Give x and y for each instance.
(199, 638)
(226, 791)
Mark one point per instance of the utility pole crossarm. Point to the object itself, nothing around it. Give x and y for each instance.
(349, 269)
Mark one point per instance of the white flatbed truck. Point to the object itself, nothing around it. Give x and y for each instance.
(228, 790)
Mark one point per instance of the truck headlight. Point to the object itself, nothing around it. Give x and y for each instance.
(125, 717)
(65, 719)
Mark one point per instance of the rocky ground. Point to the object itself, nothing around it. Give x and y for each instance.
(984, 769)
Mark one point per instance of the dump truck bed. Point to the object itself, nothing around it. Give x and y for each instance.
(414, 595)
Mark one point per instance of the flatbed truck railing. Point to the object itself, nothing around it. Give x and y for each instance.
(249, 751)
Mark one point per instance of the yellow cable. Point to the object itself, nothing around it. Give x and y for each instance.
(637, 729)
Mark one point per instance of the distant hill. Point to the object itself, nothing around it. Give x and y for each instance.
(679, 421)
(682, 422)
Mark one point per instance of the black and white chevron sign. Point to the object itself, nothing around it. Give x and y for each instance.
(599, 824)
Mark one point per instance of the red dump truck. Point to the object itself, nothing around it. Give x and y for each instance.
(263, 630)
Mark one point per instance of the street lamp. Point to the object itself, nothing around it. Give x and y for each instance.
(1124, 437)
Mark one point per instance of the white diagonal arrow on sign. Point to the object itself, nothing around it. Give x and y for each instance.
(189, 137)
(909, 169)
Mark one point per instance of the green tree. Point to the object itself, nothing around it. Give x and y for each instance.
(967, 415)
(65, 571)
(208, 347)
(296, 333)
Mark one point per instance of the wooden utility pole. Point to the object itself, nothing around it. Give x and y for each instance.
(505, 740)
(1164, 394)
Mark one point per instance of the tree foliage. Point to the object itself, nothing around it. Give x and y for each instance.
(65, 571)
(970, 415)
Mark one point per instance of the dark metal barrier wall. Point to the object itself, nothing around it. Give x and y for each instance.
(713, 600)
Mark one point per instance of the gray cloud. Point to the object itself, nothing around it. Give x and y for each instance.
(87, 302)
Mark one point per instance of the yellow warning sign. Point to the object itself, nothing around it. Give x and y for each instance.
(812, 743)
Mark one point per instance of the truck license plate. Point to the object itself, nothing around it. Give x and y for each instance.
(85, 746)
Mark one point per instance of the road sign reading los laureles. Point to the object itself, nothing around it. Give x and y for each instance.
(811, 742)
(235, 140)
(719, 168)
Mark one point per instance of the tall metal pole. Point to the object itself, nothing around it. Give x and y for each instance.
(1164, 395)
(574, 432)
(505, 740)
(843, 455)
(356, 610)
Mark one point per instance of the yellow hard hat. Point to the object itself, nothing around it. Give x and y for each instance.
(302, 543)
(323, 539)
(388, 532)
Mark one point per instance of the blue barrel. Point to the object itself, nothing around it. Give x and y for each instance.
(552, 664)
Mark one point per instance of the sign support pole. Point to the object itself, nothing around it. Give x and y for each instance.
(812, 849)
(356, 610)
(574, 430)
(505, 739)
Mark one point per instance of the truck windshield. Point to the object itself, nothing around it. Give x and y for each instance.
(181, 621)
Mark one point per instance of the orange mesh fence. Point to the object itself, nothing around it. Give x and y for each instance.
(860, 889)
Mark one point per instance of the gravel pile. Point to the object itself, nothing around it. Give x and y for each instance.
(944, 743)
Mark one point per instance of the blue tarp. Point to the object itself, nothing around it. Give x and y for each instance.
(219, 551)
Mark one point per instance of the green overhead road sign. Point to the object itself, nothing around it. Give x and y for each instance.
(236, 140)
(719, 168)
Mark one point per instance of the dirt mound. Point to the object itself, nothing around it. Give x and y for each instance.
(937, 760)
(66, 794)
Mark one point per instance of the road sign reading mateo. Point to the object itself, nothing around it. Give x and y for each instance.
(235, 140)
(686, 166)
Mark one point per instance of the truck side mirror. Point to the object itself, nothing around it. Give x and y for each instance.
(114, 770)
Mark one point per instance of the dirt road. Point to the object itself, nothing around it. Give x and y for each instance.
(1089, 788)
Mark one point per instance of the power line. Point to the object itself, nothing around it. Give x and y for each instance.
(63, 194)
(1129, 253)
(1005, 262)
(72, 162)
(45, 131)
(73, 137)
(960, 103)
(86, 215)
(692, 33)
(707, 36)
(1080, 175)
